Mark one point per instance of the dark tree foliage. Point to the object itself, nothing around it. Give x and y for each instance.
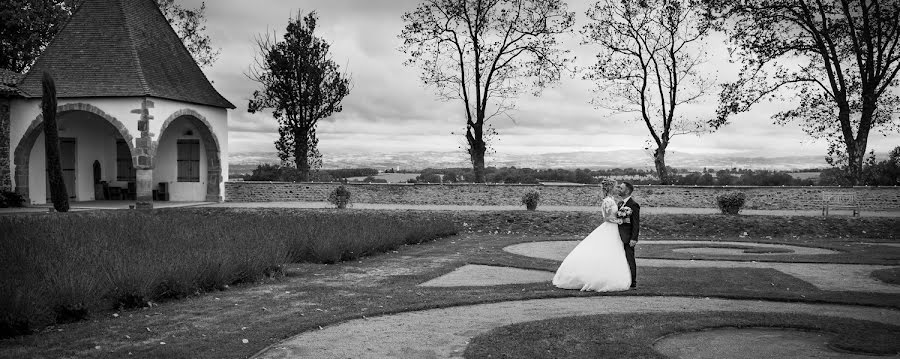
(301, 84)
(650, 63)
(27, 26)
(58, 193)
(839, 58)
(883, 173)
(190, 25)
(274, 172)
(485, 53)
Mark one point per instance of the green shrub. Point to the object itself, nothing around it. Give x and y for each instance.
(340, 197)
(62, 267)
(731, 202)
(11, 199)
(531, 199)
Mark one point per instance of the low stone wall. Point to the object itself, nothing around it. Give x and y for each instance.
(871, 198)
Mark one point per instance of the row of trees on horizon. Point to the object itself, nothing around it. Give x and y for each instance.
(875, 173)
(839, 58)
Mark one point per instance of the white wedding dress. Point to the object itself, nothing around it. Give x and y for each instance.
(598, 262)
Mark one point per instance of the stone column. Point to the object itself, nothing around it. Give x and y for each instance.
(5, 181)
(142, 158)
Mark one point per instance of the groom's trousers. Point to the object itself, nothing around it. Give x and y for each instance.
(629, 255)
(625, 231)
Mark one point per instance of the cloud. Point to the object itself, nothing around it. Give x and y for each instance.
(389, 109)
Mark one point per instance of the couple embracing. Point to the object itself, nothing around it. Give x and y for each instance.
(604, 260)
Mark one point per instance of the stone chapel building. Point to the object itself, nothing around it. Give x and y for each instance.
(138, 120)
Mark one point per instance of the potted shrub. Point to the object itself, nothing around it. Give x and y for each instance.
(731, 202)
(340, 197)
(531, 200)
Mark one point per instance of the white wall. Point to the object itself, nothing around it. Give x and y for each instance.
(95, 141)
(217, 119)
(166, 163)
(24, 111)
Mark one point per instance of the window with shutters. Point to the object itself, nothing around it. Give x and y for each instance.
(124, 165)
(189, 160)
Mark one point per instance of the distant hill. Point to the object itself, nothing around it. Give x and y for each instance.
(246, 162)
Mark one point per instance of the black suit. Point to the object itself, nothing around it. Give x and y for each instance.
(629, 232)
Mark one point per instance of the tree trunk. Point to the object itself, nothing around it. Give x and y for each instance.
(58, 193)
(301, 156)
(659, 160)
(477, 149)
(857, 153)
(856, 149)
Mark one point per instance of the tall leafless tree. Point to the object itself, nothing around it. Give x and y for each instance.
(485, 53)
(839, 58)
(649, 63)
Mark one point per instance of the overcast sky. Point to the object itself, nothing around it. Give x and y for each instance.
(388, 109)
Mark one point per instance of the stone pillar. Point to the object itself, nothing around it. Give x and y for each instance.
(142, 158)
(144, 189)
(5, 168)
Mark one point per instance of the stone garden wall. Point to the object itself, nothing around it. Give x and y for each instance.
(872, 198)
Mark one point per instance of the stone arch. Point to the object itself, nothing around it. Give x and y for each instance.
(22, 154)
(211, 146)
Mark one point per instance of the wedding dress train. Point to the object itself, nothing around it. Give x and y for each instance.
(598, 262)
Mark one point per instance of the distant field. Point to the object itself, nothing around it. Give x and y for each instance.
(390, 177)
(805, 175)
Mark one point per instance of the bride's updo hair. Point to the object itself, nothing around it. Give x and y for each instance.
(606, 185)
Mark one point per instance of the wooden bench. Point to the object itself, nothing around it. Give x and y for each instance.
(834, 200)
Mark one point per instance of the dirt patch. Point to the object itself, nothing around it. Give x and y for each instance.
(750, 343)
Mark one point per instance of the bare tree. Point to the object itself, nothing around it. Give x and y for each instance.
(486, 53)
(839, 57)
(649, 63)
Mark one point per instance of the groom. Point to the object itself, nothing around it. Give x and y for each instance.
(629, 230)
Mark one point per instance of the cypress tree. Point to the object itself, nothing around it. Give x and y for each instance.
(58, 193)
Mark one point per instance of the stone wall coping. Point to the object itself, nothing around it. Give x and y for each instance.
(551, 185)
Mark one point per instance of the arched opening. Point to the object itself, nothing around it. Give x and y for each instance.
(186, 159)
(87, 135)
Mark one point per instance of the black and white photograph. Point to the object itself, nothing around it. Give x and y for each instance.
(449, 179)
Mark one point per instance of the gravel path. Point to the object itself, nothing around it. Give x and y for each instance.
(445, 332)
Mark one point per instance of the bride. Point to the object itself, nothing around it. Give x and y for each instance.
(598, 262)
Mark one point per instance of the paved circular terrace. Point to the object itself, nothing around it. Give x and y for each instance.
(445, 332)
(558, 250)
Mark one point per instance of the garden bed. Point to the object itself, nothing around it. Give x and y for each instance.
(59, 267)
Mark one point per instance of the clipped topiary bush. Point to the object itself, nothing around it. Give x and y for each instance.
(531, 199)
(340, 197)
(731, 202)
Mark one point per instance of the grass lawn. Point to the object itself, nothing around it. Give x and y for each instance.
(309, 295)
(633, 335)
(890, 275)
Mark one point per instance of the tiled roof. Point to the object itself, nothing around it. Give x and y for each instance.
(121, 48)
(8, 80)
